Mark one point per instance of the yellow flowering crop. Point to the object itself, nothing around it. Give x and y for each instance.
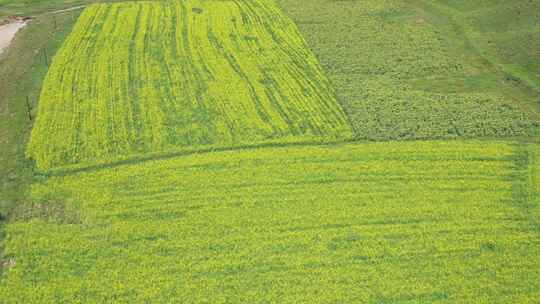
(141, 77)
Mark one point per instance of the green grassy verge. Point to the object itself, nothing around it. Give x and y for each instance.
(35, 7)
(38, 7)
(22, 70)
(403, 71)
(348, 223)
(41, 7)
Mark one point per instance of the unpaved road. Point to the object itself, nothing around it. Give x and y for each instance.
(8, 31)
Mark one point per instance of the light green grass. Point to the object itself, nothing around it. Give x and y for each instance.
(22, 69)
(402, 71)
(36, 7)
(504, 34)
(161, 76)
(40, 7)
(430, 222)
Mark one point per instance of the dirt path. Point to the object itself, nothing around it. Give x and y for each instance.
(8, 31)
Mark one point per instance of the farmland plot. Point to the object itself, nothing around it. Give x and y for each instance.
(144, 77)
(400, 74)
(422, 222)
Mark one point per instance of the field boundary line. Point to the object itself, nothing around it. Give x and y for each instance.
(166, 155)
(134, 159)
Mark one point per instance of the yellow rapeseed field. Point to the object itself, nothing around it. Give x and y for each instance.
(146, 77)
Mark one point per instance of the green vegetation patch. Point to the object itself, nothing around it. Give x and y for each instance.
(134, 78)
(358, 223)
(22, 70)
(30, 7)
(400, 73)
(506, 33)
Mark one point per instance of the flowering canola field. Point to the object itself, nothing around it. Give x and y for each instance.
(430, 222)
(146, 77)
(323, 221)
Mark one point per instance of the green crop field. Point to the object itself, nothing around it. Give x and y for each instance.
(160, 76)
(401, 73)
(372, 223)
(271, 151)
